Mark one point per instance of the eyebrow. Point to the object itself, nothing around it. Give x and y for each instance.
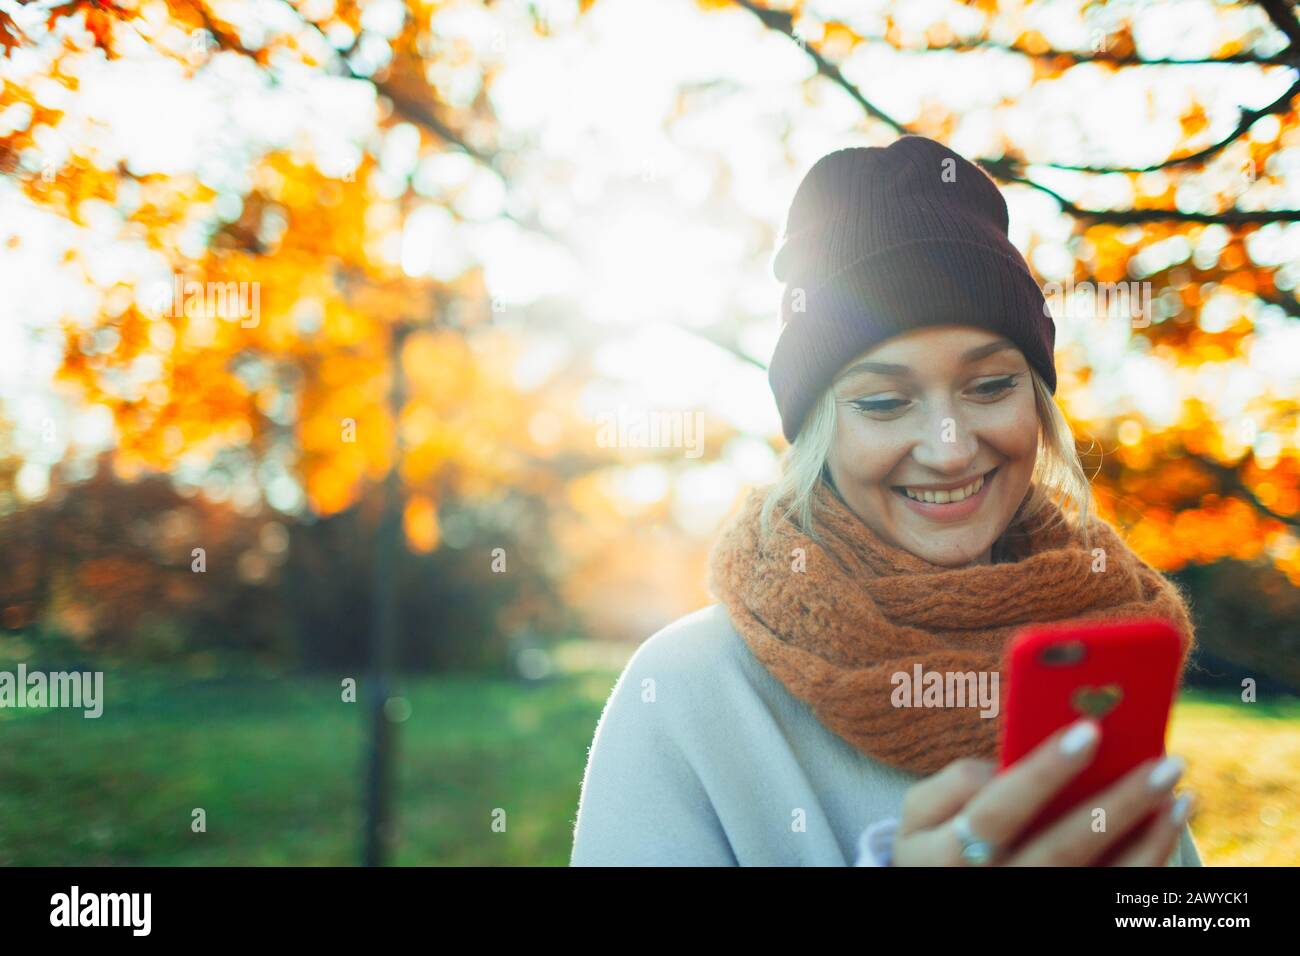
(902, 371)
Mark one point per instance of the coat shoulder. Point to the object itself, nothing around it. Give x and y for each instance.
(699, 646)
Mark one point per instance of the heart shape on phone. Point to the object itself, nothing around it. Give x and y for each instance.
(1097, 702)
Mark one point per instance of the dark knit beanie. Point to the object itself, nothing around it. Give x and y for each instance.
(884, 240)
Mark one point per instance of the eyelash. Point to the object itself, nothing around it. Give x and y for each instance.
(997, 388)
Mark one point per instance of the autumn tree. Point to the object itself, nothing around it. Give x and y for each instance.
(1205, 468)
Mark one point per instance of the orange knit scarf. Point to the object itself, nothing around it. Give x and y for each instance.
(861, 611)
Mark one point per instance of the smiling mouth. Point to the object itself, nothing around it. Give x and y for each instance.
(946, 496)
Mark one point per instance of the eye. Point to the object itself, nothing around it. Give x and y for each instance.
(995, 387)
(878, 406)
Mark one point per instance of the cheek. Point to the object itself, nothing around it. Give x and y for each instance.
(1012, 430)
(862, 455)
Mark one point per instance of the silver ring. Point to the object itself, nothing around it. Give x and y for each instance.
(973, 849)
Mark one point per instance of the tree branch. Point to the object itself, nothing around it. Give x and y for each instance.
(1280, 58)
(1232, 484)
(1244, 123)
(1005, 169)
(416, 112)
(783, 22)
(1011, 169)
(1280, 12)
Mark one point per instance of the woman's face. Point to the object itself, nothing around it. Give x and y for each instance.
(944, 414)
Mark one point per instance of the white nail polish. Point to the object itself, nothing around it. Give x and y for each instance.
(1166, 772)
(1078, 737)
(1181, 806)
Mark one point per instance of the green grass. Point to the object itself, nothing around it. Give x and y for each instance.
(278, 764)
(1244, 766)
(278, 767)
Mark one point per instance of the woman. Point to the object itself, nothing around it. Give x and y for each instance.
(931, 504)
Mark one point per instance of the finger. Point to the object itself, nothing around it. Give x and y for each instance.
(1072, 840)
(1003, 808)
(1161, 839)
(933, 801)
(937, 847)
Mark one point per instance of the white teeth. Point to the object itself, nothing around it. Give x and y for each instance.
(946, 497)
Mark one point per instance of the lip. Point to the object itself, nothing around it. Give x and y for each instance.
(952, 511)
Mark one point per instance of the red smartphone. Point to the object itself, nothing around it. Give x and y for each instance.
(1123, 674)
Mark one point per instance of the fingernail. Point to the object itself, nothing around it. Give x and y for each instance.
(1166, 773)
(1079, 736)
(1182, 806)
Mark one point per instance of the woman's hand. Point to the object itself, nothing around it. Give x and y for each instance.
(999, 807)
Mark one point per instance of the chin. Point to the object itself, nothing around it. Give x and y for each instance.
(952, 556)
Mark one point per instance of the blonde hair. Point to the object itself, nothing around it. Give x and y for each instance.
(1058, 472)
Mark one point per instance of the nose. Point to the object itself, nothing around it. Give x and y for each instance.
(947, 446)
